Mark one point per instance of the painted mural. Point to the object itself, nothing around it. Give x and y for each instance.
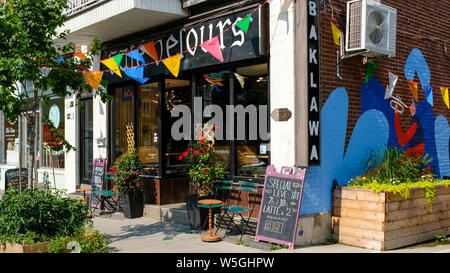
(377, 126)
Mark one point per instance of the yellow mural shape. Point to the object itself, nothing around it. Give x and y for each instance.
(444, 92)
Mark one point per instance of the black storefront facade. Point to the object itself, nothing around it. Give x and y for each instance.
(241, 79)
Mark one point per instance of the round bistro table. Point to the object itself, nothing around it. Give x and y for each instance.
(209, 237)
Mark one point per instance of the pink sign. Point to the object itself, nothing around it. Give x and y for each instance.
(280, 206)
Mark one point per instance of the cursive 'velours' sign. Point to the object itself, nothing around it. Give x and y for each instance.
(280, 206)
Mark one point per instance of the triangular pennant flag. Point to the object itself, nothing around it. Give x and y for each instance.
(114, 63)
(80, 55)
(371, 67)
(244, 23)
(136, 55)
(428, 93)
(136, 73)
(392, 83)
(336, 34)
(444, 92)
(151, 50)
(173, 64)
(413, 88)
(240, 79)
(45, 71)
(213, 48)
(93, 78)
(60, 60)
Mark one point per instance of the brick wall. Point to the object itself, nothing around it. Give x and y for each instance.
(422, 24)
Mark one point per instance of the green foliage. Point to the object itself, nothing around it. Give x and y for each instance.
(276, 246)
(440, 238)
(202, 168)
(394, 166)
(126, 172)
(40, 215)
(403, 188)
(93, 243)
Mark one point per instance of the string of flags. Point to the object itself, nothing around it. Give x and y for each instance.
(371, 67)
(172, 63)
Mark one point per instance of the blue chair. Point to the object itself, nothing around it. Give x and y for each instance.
(222, 191)
(238, 209)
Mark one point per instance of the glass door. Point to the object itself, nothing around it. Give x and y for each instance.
(86, 142)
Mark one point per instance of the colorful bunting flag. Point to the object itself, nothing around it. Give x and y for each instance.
(173, 64)
(136, 55)
(241, 79)
(151, 50)
(114, 63)
(244, 23)
(413, 88)
(336, 34)
(392, 83)
(136, 73)
(428, 93)
(215, 82)
(93, 78)
(371, 67)
(213, 48)
(80, 55)
(444, 92)
(60, 60)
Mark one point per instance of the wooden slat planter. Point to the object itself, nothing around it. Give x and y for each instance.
(384, 220)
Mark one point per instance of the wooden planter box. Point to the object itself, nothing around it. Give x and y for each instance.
(384, 221)
(33, 248)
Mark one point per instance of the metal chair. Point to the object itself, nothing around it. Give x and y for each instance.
(238, 209)
(106, 198)
(222, 191)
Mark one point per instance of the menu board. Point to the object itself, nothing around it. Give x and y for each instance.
(12, 179)
(280, 206)
(98, 173)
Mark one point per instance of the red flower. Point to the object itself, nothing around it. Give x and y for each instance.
(117, 160)
(127, 177)
(137, 172)
(109, 172)
(120, 180)
(202, 141)
(115, 172)
(138, 184)
(185, 153)
(180, 157)
(205, 171)
(203, 149)
(196, 152)
(112, 168)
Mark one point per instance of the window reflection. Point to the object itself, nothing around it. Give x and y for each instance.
(251, 86)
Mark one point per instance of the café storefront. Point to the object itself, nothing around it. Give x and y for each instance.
(242, 78)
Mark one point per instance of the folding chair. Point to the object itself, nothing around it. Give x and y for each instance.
(222, 191)
(237, 209)
(106, 198)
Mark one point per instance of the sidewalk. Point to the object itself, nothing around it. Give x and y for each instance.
(144, 235)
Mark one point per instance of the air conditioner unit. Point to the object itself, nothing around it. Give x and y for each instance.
(371, 29)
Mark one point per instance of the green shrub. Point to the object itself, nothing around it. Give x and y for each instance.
(40, 215)
(94, 243)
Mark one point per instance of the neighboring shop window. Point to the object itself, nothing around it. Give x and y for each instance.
(147, 128)
(11, 142)
(52, 150)
(123, 113)
(251, 88)
(214, 88)
(177, 91)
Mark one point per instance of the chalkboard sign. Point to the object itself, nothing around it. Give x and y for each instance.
(12, 179)
(280, 206)
(98, 173)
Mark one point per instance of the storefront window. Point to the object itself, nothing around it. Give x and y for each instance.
(52, 150)
(214, 89)
(123, 113)
(177, 92)
(11, 142)
(251, 86)
(147, 124)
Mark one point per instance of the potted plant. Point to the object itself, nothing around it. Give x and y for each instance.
(398, 202)
(128, 183)
(202, 170)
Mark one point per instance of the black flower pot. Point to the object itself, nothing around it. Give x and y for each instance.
(132, 204)
(198, 217)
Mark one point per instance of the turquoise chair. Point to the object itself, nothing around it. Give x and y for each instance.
(222, 191)
(238, 209)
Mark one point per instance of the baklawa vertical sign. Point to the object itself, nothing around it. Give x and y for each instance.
(313, 83)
